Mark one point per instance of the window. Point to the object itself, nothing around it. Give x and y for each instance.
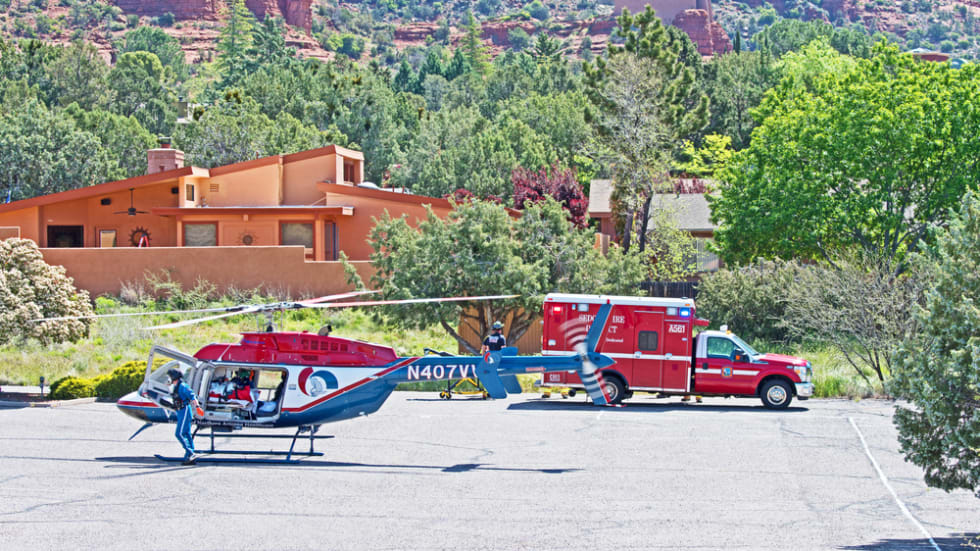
(200, 235)
(66, 236)
(647, 341)
(189, 192)
(720, 347)
(297, 233)
(349, 172)
(107, 238)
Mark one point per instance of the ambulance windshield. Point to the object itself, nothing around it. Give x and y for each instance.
(744, 346)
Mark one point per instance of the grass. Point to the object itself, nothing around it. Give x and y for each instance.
(833, 376)
(115, 341)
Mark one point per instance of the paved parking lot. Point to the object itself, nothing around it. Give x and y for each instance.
(521, 473)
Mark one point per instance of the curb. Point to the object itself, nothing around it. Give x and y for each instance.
(49, 404)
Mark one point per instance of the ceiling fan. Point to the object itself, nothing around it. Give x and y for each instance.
(131, 211)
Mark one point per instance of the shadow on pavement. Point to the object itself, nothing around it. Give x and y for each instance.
(957, 542)
(565, 405)
(160, 465)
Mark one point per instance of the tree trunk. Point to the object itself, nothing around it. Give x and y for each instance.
(645, 216)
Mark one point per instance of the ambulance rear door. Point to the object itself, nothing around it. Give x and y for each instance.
(648, 348)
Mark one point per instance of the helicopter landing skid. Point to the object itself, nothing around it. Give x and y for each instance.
(288, 459)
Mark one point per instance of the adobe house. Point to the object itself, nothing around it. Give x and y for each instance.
(280, 220)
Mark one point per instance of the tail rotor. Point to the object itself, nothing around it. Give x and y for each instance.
(584, 337)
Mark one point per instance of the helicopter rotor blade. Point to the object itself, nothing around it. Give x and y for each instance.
(184, 323)
(311, 303)
(327, 298)
(408, 301)
(132, 314)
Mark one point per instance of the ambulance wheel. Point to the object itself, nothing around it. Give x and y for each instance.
(445, 395)
(776, 394)
(571, 392)
(614, 388)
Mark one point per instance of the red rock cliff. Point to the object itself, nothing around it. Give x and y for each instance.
(709, 36)
(297, 13)
(182, 9)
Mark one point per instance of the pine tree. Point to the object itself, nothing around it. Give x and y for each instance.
(236, 41)
(474, 49)
(646, 103)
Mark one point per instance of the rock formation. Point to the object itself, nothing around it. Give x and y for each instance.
(695, 17)
(297, 13)
(707, 34)
(182, 9)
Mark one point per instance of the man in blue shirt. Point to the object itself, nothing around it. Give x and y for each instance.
(184, 399)
(496, 340)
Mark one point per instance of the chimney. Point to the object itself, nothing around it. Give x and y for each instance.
(164, 157)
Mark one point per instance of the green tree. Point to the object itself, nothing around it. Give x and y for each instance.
(480, 249)
(31, 289)
(234, 129)
(711, 157)
(477, 53)
(156, 41)
(42, 151)
(786, 35)
(869, 157)
(78, 75)
(735, 86)
(235, 42)
(645, 102)
(939, 372)
(138, 81)
(123, 138)
(269, 45)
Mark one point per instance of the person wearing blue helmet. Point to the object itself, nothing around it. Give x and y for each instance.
(496, 340)
(184, 399)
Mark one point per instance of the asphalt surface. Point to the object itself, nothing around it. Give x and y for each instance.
(521, 473)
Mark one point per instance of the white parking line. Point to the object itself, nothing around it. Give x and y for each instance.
(884, 480)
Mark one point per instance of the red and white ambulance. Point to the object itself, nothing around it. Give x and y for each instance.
(653, 343)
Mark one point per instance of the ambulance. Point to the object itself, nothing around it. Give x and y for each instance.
(656, 351)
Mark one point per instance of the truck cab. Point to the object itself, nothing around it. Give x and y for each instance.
(653, 343)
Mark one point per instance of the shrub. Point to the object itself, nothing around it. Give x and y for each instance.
(538, 10)
(749, 299)
(123, 380)
(69, 388)
(32, 289)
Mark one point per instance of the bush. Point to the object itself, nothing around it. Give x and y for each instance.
(123, 380)
(69, 388)
(538, 10)
(751, 300)
(31, 289)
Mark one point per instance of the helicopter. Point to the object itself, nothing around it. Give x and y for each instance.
(274, 379)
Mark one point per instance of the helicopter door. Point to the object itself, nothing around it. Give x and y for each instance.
(156, 383)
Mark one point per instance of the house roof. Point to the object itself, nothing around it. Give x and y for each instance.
(691, 211)
(599, 193)
(160, 177)
(342, 210)
(386, 195)
(103, 189)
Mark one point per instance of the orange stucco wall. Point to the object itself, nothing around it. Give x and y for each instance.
(256, 187)
(94, 216)
(353, 231)
(279, 269)
(27, 219)
(301, 177)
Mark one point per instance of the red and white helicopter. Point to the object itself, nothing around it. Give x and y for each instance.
(277, 379)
